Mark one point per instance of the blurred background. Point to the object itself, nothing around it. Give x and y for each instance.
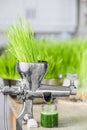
(58, 18)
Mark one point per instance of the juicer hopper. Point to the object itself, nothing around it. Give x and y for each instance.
(32, 73)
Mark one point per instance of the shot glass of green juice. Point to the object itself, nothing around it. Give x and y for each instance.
(49, 116)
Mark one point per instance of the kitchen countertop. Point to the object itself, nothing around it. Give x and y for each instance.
(72, 115)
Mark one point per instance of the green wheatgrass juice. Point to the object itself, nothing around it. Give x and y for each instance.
(49, 119)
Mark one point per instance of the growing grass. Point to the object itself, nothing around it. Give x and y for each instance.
(8, 67)
(67, 56)
(21, 42)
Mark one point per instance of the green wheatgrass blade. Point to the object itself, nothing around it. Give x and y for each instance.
(8, 67)
(21, 38)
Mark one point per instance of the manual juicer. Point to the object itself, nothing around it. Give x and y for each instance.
(30, 87)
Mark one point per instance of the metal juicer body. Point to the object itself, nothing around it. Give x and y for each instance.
(30, 87)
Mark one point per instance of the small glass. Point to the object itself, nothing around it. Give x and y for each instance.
(49, 116)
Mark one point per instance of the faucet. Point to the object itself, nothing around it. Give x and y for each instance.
(30, 87)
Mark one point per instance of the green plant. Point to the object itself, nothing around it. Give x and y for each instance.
(63, 56)
(21, 42)
(8, 67)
